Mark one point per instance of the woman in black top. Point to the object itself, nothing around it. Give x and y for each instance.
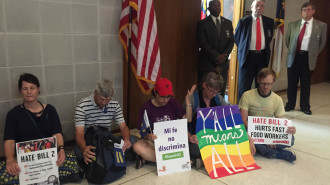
(29, 121)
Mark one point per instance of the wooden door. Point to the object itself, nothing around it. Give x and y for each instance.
(321, 72)
(176, 24)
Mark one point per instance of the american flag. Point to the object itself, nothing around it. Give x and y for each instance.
(145, 56)
(278, 33)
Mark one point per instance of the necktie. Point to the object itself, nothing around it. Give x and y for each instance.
(301, 36)
(217, 24)
(258, 39)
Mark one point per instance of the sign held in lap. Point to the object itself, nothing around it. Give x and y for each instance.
(171, 145)
(265, 130)
(37, 161)
(223, 141)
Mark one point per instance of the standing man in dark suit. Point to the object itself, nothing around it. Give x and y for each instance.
(253, 35)
(305, 39)
(216, 40)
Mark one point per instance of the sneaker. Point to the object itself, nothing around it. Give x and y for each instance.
(286, 155)
(199, 163)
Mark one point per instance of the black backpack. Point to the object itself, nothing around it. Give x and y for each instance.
(102, 169)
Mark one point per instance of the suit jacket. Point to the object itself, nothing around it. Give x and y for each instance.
(211, 43)
(243, 33)
(316, 41)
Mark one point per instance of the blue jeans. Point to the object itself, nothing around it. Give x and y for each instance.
(269, 152)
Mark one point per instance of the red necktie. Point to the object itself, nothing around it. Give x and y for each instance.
(301, 36)
(258, 40)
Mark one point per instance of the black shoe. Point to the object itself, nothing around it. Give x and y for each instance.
(287, 109)
(308, 112)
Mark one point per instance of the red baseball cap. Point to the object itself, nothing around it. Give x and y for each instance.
(164, 87)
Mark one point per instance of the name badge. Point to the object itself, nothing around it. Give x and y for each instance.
(227, 33)
(269, 33)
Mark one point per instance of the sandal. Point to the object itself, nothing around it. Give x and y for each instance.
(139, 162)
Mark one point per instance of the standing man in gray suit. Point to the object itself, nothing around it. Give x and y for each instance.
(216, 40)
(305, 39)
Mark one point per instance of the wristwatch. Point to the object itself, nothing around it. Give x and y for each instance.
(60, 148)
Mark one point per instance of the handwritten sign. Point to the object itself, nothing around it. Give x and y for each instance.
(37, 161)
(171, 145)
(265, 130)
(223, 141)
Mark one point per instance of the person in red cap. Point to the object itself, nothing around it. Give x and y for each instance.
(163, 107)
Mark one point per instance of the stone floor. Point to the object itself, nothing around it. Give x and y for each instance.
(312, 147)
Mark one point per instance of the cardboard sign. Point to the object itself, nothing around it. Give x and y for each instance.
(265, 130)
(223, 141)
(37, 161)
(171, 145)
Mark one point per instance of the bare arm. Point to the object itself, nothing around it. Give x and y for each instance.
(86, 150)
(291, 129)
(61, 153)
(244, 114)
(11, 164)
(188, 103)
(125, 133)
(252, 146)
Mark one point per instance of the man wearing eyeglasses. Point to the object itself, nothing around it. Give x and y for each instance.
(265, 103)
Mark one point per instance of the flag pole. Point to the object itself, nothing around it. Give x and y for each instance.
(129, 65)
(272, 53)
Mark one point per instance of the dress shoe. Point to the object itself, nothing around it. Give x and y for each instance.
(308, 112)
(287, 109)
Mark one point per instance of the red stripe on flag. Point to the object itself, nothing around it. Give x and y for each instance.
(145, 62)
(154, 49)
(146, 50)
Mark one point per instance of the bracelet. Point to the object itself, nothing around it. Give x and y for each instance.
(190, 105)
(60, 148)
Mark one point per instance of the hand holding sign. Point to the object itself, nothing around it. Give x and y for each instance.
(271, 131)
(223, 141)
(193, 139)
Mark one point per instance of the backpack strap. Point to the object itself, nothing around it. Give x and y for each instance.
(217, 100)
(34, 123)
(196, 99)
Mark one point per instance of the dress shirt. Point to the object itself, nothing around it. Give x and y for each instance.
(307, 35)
(254, 34)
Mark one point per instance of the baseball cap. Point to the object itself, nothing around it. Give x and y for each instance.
(164, 87)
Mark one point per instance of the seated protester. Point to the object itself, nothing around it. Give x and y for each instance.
(99, 109)
(265, 103)
(208, 96)
(161, 108)
(30, 121)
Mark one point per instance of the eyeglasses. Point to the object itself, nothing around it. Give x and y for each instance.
(266, 84)
(212, 91)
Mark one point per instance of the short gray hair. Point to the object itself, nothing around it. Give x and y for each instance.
(105, 88)
(214, 80)
(254, 1)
